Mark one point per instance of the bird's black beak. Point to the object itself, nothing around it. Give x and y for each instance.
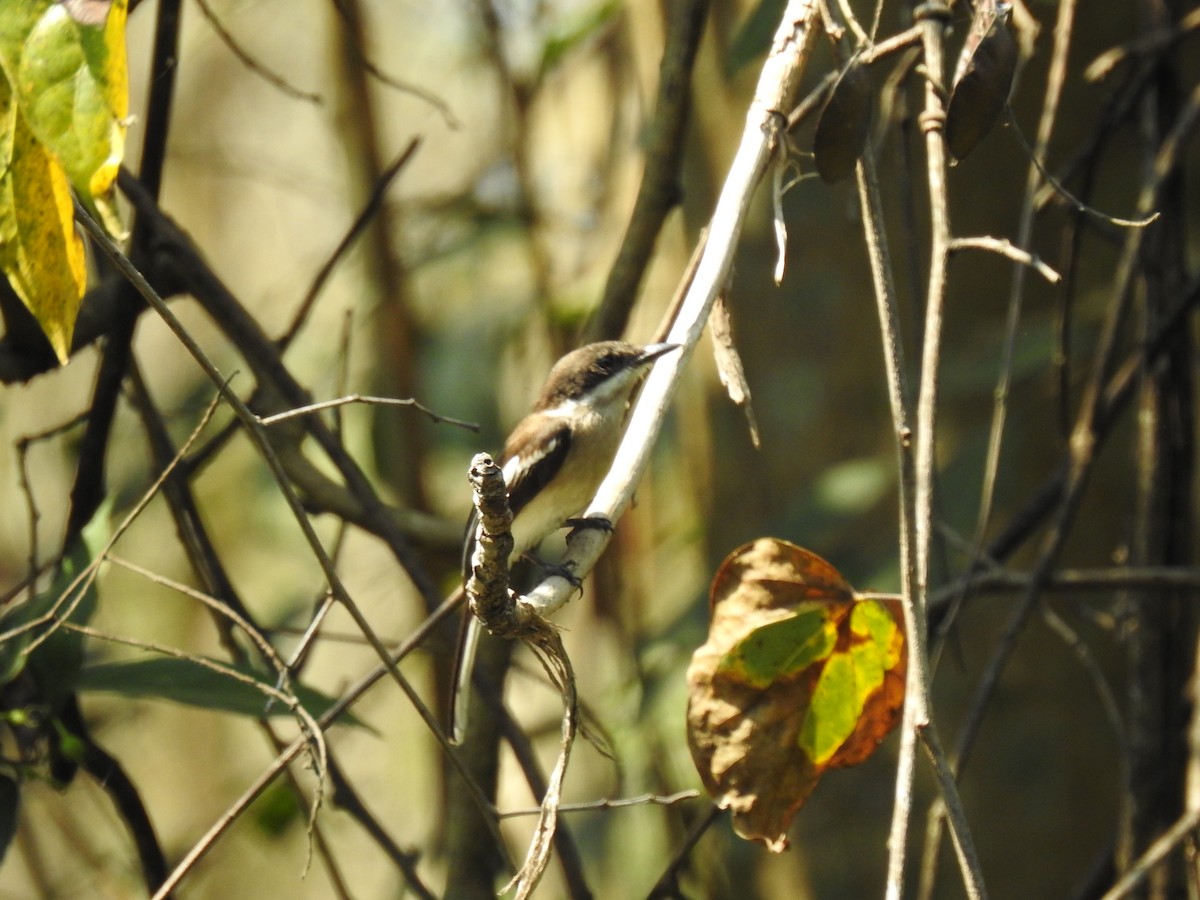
(652, 352)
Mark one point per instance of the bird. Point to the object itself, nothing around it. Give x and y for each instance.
(553, 463)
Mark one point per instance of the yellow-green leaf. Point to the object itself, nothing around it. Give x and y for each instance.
(40, 252)
(64, 108)
(799, 675)
(71, 83)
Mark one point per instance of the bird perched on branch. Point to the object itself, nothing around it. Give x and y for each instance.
(553, 463)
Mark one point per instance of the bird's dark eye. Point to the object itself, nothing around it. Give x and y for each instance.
(610, 362)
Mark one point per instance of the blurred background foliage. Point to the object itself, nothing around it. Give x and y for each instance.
(488, 254)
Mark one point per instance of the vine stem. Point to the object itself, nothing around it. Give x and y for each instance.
(918, 480)
(761, 138)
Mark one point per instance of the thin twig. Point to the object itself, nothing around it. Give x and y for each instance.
(26, 483)
(1151, 44)
(357, 227)
(1155, 854)
(1007, 249)
(1108, 698)
(815, 97)
(666, 886)
(73, 594)
(1107, 579)
(223, 609)
(193, 533)
(1059, 188)
(370, 401)
(570, 858)
(351, 696)
(350, 16)
(312, 733)
(1055, 80)
(917, 721)
(347, 799)
(898, 391)
(262, 356)
(605, 803)
(250, 62)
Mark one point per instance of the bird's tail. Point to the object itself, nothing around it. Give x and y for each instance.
(463, 672)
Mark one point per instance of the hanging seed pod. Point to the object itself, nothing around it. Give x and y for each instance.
(982, 82)
(844, 124)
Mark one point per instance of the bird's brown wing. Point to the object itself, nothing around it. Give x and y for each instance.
(554, 437)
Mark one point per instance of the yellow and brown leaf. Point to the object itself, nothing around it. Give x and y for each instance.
(799, 675)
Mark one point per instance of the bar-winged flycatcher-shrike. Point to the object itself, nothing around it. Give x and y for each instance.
(553, 463)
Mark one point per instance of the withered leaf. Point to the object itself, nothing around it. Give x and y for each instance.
(799, 675)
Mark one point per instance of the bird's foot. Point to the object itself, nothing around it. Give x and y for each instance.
(601, 523)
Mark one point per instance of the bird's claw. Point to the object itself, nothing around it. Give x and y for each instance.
(599, 522)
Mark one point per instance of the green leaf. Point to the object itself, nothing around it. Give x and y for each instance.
(784, 648)
(72, 85)
(193, 684)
